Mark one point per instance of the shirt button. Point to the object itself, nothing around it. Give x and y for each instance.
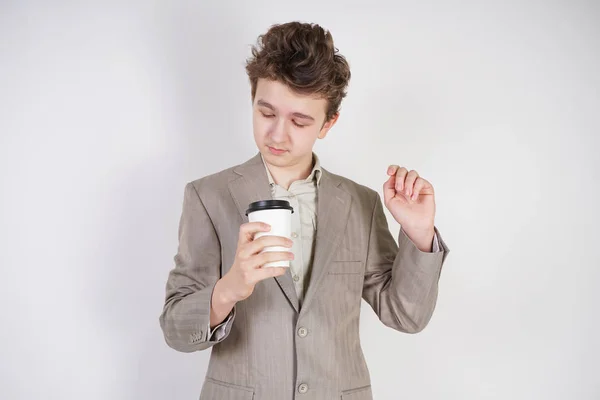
(294, 235)
(302, 332)
(303, 388)
(296, 278)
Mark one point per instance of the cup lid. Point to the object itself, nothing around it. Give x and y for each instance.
(269, 205)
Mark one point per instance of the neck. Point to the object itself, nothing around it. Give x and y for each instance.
(284, 176)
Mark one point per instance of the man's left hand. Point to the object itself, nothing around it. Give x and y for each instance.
(411, 201)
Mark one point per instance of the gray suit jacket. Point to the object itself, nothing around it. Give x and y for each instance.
(273, 349)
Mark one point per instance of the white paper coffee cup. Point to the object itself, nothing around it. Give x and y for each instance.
(278, 214)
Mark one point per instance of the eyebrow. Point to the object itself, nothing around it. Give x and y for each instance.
(296, 114)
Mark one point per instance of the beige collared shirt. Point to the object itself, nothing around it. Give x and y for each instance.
(302, 195)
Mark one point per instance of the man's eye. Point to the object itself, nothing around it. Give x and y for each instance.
(298, 125)
(267, 115)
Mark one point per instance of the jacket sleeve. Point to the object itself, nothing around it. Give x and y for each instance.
(401, 281)
(185, 318)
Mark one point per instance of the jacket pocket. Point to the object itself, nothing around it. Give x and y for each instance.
(214, 389)
(361, 393)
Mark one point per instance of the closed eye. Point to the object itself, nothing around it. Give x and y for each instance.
(267, 115)
(298, 125)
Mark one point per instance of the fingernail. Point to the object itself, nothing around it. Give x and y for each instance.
(414, 196)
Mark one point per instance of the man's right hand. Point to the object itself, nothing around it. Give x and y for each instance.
(247, 271)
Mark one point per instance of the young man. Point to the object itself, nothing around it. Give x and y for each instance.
(293, 333)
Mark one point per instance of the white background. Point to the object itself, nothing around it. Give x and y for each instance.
(107, 109)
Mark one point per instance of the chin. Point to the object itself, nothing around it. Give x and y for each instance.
(274, 159)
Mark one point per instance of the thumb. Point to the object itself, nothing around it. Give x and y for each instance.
(389, 189)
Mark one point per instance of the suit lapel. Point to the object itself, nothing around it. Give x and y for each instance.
(251, 186)
(333, 208)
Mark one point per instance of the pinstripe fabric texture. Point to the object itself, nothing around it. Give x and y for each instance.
(273, 349)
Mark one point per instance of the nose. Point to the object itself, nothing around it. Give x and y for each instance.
(278, 132)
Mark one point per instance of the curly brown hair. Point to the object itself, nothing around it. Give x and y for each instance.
(302, 56)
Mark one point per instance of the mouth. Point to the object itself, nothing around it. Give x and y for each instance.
(276, 151)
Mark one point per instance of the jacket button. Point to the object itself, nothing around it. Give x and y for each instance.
(302, 332)
(303, 388)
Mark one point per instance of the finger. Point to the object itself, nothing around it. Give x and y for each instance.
(264, 273)
(259, 244)
(389, 190)
(392, 169)
(409, 182)
(249, 229)
(419, 184)
(426, 188)
(270, 256)
(400, 177)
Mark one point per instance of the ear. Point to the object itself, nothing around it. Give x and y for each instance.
(328, 125)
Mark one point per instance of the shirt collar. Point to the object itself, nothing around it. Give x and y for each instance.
(315, 173)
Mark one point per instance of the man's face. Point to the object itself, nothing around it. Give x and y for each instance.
(288, 122)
